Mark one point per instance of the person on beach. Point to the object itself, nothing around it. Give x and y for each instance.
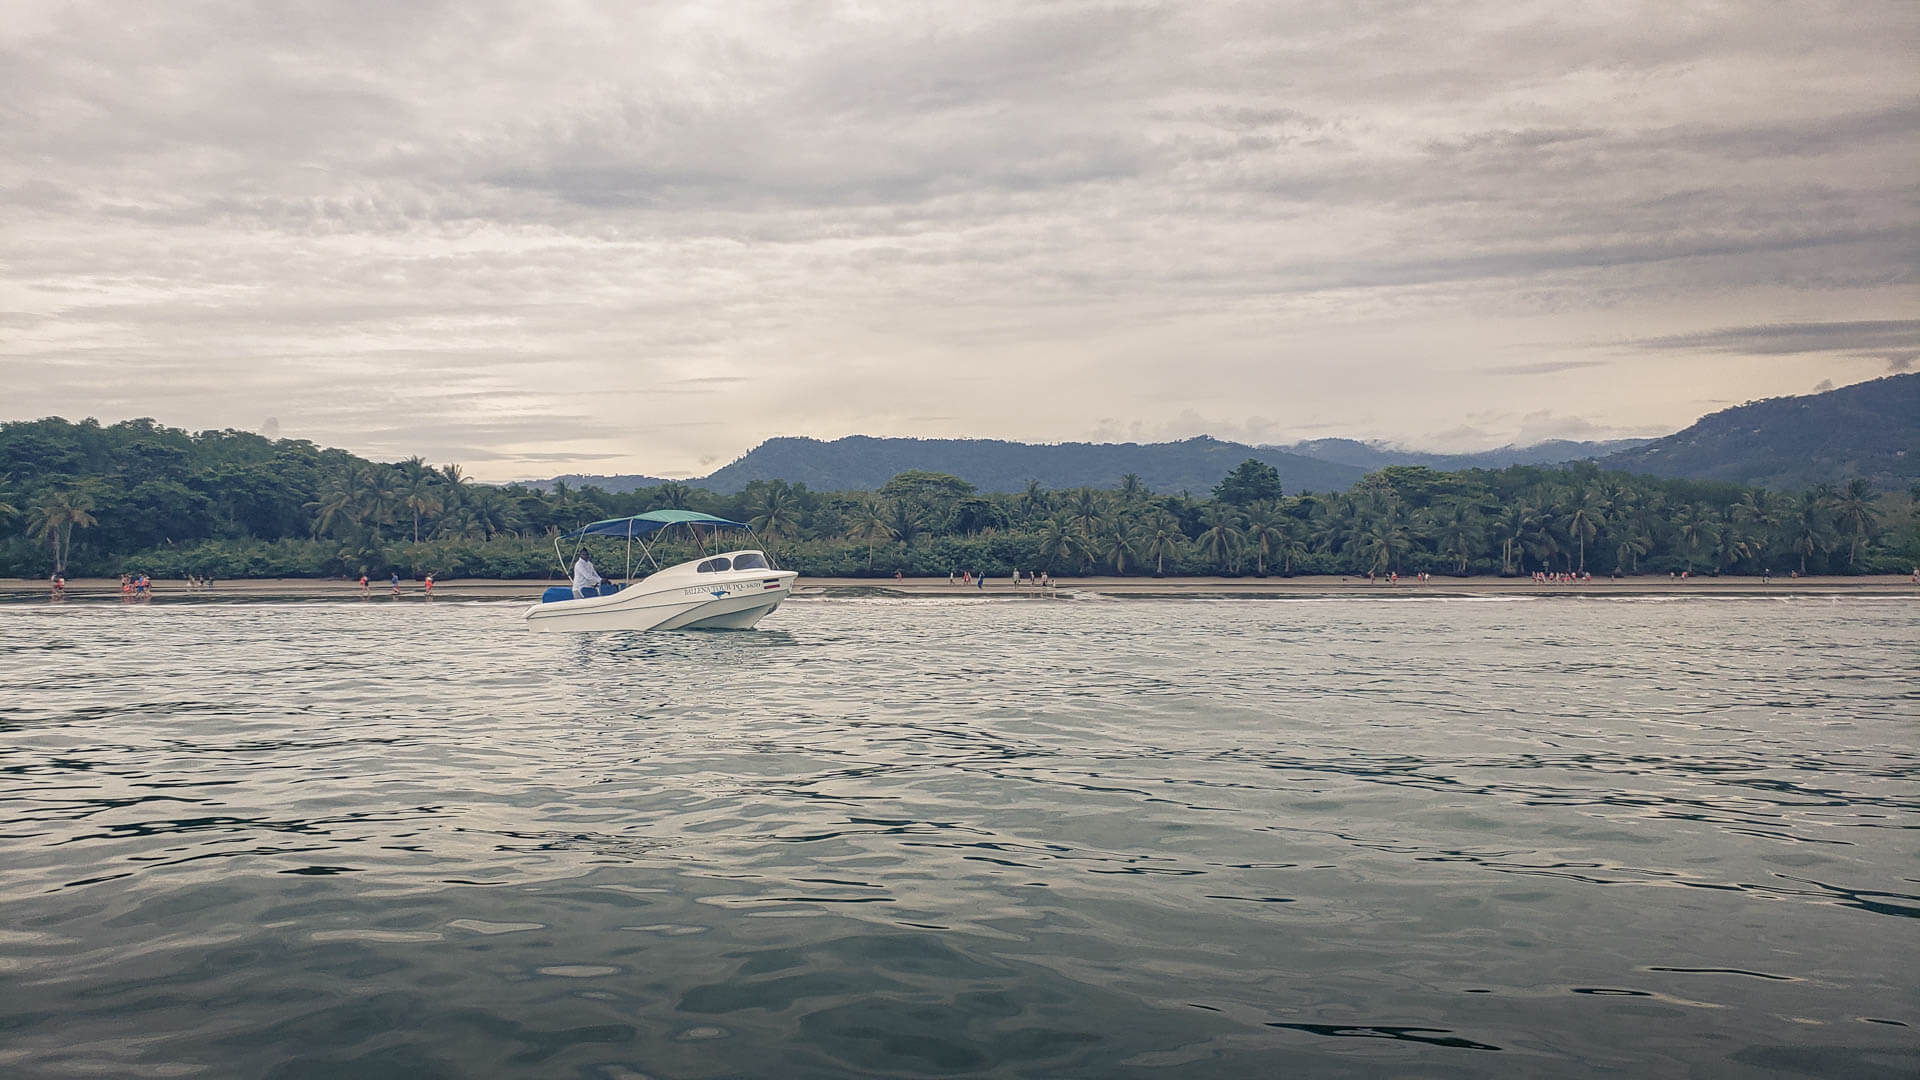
(126, 586)
(584, 575)
(364, 590)
(429, 586)
(980, 581)
(949, 577)
(396, 583)
(59, 585)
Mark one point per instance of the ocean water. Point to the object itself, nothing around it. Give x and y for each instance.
(900, 838)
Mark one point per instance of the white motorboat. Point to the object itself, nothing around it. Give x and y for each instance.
(730, 590)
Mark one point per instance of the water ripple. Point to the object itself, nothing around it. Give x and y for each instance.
(924, 838)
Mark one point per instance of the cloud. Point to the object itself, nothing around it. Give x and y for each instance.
(1892, 342)
(1496, 430)
(656, 234)
(1543, 367)
(1870, 335)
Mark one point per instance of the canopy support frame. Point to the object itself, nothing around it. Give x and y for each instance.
(646, 549)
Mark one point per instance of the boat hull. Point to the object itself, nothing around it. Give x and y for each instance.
(716, 605)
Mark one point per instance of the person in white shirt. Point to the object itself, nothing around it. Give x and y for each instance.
(584, 575)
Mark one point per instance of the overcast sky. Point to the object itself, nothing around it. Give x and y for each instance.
(537, 238)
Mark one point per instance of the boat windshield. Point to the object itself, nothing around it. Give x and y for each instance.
(713, 566)
(752, 560)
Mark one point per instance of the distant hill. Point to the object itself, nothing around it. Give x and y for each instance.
(617, 485)
(1783, 443)
(1370, 455)
(864, 463)
(1869, 429)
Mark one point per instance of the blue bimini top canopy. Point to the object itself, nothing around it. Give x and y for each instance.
(648, 523)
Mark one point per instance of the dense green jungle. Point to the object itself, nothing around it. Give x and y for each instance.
(87, 499)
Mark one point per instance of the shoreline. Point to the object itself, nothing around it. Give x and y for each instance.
(98, 590)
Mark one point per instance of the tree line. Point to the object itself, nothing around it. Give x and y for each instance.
(86, 499)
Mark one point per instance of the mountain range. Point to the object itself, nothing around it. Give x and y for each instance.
(864, 463)
(1867, 429)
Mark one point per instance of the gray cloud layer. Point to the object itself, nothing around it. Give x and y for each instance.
(509, 235)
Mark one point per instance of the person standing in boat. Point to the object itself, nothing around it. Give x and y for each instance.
(584, 575)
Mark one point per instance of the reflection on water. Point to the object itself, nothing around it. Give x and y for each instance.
(895, 838)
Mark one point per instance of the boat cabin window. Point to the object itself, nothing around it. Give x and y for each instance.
(752, 560)
(713, 566)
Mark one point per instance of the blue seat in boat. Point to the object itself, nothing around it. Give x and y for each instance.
(565, 592)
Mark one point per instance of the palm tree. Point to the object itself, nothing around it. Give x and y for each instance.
(1293, 545)
(1116, 546)
(1809, 529)
(1457, 532)
(869, 523)
(55, 518)
(1163, 538)
(457, 487)
(1853, 517)
(1033, 501)
(1628, 547)
(1058, 540)
(1087, 513)
(492, 512)
(673, 495)
(1266, 530)
(1132, 488)
(1586, 518)
(1694, 530)
(1336, 527)
(418, 497)
(338, 503)
(1734, 542)
(908, 521)
(461, 524)
(776, 512)
(1384, 544)
(1543, 541)
(380, 499)
(1763, 513)
(1220, 536)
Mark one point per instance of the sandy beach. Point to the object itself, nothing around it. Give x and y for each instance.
(107, 589)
